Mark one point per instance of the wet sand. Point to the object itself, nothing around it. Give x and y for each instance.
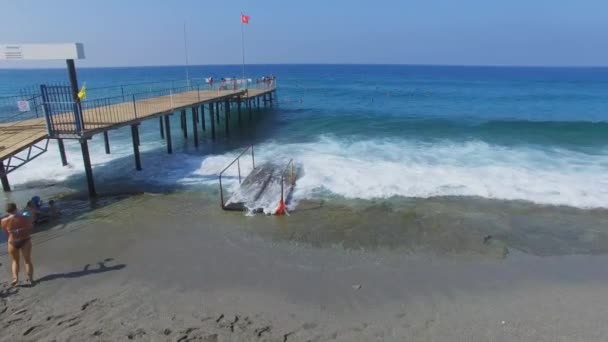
(173, 267)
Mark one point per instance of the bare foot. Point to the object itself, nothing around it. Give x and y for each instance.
(14, 282)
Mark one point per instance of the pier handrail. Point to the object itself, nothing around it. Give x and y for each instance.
(126, 90)
(292, 178)
(66, 117)
(114, 109)
(236, 160)
(10, 111)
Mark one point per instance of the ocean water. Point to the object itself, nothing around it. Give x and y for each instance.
(368, 132)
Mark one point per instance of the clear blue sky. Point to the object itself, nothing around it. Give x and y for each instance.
(461, 32)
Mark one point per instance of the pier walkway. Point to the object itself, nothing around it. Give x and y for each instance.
(59, 117)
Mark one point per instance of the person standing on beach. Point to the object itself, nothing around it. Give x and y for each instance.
(18, 228)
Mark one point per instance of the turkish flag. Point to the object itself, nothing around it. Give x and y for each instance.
(244, 19)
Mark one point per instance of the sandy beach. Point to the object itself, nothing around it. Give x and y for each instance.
(141, 268)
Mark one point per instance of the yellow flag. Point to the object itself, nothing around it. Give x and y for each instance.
(83, 92)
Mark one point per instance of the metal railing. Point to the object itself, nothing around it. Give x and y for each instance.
(20, 107)
(64, 116)
(236, 160)
(67, 118)
(127, 90)
(292, 178)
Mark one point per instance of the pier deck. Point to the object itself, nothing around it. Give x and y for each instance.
(17, 136)
(98, 117)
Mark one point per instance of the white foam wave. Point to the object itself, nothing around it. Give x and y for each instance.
(368, 169)
(383, 168)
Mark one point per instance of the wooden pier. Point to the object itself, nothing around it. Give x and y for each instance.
(23, 140)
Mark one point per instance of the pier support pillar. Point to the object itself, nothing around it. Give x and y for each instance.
(258, 101)
(5, 185)
(64, 159)
(194, 125)
(227, 116)
(135, 137)
(168, 134)
(88, 170)
(212, 121)
(203, 117)
(162, 129)
(249, 108)
(106, 142)
(184, 123)
(217, 112)
(238, 105)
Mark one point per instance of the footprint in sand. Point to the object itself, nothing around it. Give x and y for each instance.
(261, 331)
(30, 329)
(86, 305)
(73, 321)
(138, 333)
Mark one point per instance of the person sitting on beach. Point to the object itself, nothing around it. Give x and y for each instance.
(53, 211)
(30, 210)
(18, 228)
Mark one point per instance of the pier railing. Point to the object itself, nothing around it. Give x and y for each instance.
(29, 104)
(20, 107)
(236, 160)
(200, 83)
(69, 118)
(291, 178)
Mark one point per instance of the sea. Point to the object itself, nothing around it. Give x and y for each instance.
(533, 135)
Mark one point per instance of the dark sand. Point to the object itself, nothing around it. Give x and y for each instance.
(176, 268)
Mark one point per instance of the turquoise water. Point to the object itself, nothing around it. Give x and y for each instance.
(366, 132)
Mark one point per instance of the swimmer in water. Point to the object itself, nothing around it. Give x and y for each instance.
(18, 228)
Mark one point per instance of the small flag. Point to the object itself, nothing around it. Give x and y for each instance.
(244, 18)
(83, 92)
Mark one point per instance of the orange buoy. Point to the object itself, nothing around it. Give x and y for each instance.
(281, 209)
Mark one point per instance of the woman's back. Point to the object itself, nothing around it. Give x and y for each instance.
(17, 226)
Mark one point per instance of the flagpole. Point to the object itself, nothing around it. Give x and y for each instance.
(186, 52)
(243, 45)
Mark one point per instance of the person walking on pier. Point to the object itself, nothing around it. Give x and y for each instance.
(18, 228)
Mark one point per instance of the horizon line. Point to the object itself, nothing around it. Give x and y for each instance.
(318, 64)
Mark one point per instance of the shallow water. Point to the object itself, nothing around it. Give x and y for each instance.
(471, 228)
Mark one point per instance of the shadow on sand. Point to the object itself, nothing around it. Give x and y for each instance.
(7, 291)
(102, 268)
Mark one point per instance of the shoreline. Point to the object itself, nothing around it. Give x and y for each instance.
(157, 272)
(482, 226)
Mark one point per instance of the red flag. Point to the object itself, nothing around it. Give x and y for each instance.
(244, 19)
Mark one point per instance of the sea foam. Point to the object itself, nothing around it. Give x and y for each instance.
(362, 169)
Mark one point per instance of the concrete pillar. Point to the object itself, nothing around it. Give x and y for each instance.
(64, 159)
(87, 167)
(5, 185)
(135, 138)
(168, 134)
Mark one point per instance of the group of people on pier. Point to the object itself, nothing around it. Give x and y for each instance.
(234, 83)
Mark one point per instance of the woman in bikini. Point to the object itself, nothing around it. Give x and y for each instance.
(18, 228)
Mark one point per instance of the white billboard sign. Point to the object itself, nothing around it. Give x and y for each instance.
(17, 52)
